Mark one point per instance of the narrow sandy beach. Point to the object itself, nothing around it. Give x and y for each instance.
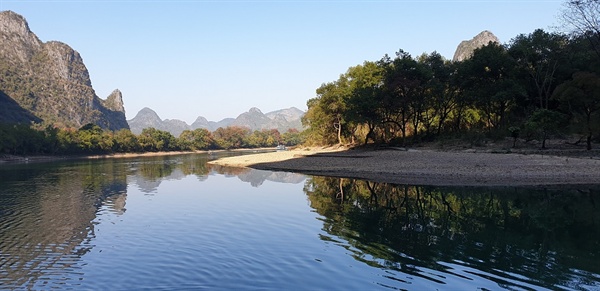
(428, 167)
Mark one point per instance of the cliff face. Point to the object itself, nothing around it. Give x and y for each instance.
(466, 48)
(50, 81)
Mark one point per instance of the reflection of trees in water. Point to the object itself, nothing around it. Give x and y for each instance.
(46, 216)
(542, 234)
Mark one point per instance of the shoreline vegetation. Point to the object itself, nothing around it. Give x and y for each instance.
(17, 159)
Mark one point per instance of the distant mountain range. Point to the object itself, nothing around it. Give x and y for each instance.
(254, 119)
(48, 82)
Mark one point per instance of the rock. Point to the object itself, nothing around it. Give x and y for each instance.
(50, 81)
(114, 101)
(466, 48)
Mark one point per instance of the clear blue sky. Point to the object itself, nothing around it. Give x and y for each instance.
(217, 59)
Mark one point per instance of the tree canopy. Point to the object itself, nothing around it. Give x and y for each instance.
(534, 84)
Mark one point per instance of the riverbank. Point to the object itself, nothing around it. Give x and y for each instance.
(14, 159)
(431, 166)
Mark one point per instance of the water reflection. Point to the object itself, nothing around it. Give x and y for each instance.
(148, 174)
(46, 215)
(48, 212)
(56, 218)
(514, 237)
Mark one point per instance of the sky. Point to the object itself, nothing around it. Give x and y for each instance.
(218, 59)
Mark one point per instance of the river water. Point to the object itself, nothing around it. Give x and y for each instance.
(174, 222)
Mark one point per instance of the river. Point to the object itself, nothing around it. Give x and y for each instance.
(174, 222)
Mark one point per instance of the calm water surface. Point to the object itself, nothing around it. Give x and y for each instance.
(177, 223)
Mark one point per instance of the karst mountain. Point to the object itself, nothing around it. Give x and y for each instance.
(48, 81)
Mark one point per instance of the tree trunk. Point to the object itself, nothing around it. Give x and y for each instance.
(589, 137)
(544, 140)
(370, 134)
(339, 133)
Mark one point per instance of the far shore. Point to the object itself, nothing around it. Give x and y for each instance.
(432, 166)
(14, 159)
(416, 166)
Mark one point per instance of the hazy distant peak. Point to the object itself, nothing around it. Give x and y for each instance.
(146, 110)
(254, 110)
(201, 119)
(289, 113)
(146, 113)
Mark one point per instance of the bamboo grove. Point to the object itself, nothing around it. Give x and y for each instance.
(539, 85)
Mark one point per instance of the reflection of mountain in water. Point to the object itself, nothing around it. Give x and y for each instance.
(517, 238)
(149, 185)
(47, 214)
(258, 177)
(148, 173)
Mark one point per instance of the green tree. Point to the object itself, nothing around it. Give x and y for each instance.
(491, 83)
(545, 123)
(89, 137)
(125, 141)
(292, 137)
(7, 139)
(264, 138)
(326, 112)
(153, 140)
(231, 137)
(67, 140)
(441, 92)
(107, 142)
(364, 103)
(539, 56)
(404, 88)
(50, 139)
(581, 97)
(197, 139)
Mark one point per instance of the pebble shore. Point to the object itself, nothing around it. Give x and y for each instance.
(428, 167)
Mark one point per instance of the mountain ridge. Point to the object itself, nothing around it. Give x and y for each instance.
(254, 119)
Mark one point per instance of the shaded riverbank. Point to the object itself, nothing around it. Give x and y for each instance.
(429, 167)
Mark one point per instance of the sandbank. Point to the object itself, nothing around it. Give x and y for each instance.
(429, 167)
